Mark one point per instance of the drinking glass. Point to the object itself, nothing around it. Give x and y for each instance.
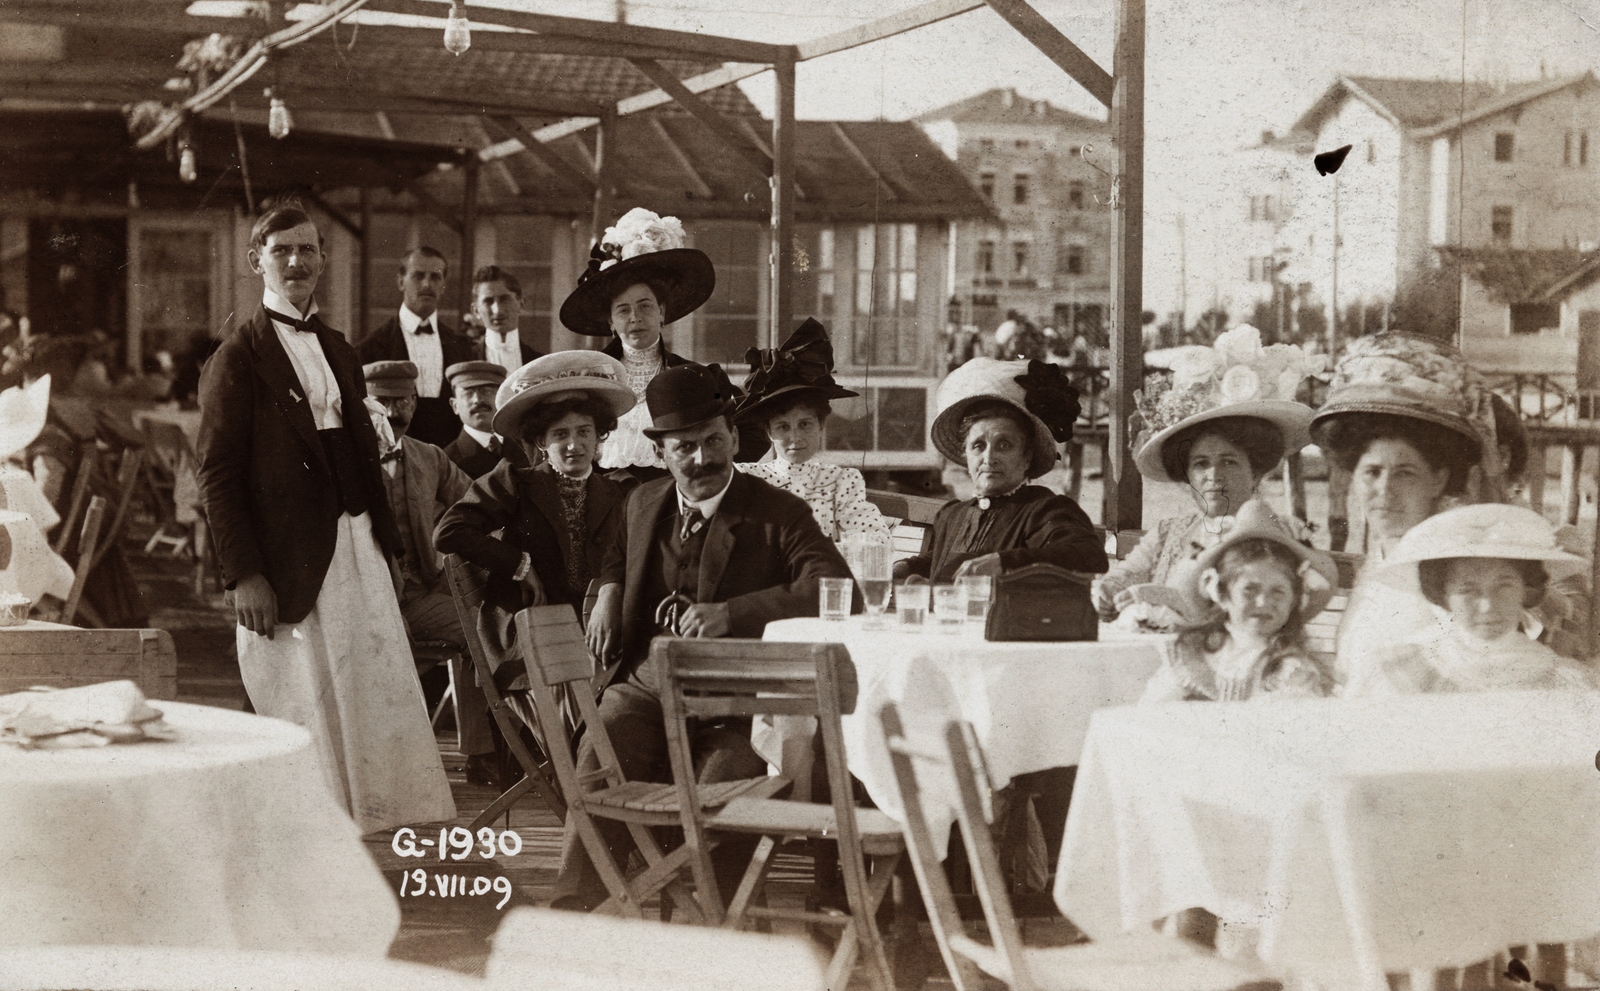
(911, 602)
(949, 607)
(835, 598)
(980, 592)
(871, 558)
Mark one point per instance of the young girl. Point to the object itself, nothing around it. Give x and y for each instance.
(786, 396)
(1261, 586)
(1482, 567)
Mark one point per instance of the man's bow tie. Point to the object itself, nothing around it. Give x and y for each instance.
(305, 326)
(396, 455)
(424, 328)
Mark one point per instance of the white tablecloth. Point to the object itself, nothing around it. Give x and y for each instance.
(227, 837)
(1029, 703)
(1359, 835)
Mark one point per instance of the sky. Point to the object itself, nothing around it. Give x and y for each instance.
(1218, 72)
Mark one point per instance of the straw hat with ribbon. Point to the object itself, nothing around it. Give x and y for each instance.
(1034, 388)
(802, 367)
(642, 247)
(1257, 521)
(1493, 530)
(563, 375)
(1236, 376)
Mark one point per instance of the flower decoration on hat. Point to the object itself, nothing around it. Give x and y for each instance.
(638, 232)
(1051, 398)
(1236, 369)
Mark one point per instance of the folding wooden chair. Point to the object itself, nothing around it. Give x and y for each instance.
(80, 496)
(86, 558)
(720, 678)
(467, 588)
(1139, 962)
(556, 656)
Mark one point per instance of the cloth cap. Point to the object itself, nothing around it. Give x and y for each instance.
(390, 378)
(467, 374)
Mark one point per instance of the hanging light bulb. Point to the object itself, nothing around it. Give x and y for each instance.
(457, 31)
(279, 123)
(186, 165)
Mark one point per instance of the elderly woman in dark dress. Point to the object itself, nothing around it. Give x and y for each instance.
(993, 418)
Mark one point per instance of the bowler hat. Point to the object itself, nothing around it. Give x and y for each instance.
(687, 395)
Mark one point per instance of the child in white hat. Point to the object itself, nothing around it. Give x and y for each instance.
(1259, 585)
(1482, 567)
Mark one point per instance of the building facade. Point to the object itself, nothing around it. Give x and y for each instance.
(1046, 252)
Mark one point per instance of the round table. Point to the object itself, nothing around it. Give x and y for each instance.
(1028, 703)
(226, 837)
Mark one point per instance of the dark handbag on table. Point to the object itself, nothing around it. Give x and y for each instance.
(1042, 602)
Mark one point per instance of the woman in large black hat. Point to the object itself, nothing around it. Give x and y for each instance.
(787, 396)
(640, 278)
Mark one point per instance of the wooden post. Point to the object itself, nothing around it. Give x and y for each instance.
(1571, 490)
(1534, 476)
(604, 172)
(1294, 485)
(469, 238)
(364, 280)
(1124, 508)
(782, 297)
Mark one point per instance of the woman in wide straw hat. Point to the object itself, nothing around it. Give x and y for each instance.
(1482, 568)
(640, 279)
(1002, 420)
(1228, 418)
(558, 518)
(787, 396)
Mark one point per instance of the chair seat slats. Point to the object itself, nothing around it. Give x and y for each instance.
(880, 834)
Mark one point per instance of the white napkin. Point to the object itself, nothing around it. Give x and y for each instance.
(89, 716)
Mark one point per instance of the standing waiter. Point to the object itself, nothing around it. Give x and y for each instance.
(288, 465)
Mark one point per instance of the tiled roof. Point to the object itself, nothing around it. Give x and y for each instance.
(1006, 106)
(501, 77)
(672, 163)
(1520, 275)
(1417, 103)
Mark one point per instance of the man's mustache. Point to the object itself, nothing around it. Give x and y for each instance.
(706, 471)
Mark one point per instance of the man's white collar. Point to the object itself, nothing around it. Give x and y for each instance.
(273, 301)
(409, 322)
(708, 506)
(482, 437)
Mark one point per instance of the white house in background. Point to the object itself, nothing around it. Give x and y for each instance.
(1263, 240)
(1433, 163)
(1532, 312)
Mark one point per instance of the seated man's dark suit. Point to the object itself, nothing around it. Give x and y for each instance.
(762, 553)
(471, 456)
(435, 422)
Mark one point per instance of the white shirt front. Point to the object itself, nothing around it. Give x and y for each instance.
(505, 352)
(424, 350)
(707, 506)
(479, 436)
(310, 364)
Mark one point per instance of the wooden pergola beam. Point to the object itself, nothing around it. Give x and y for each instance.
(338, 215)
(884, 27)
(158, 19)
(863, 161)
(1124, 508)
(1056, 46)
(706, 114)
(546, 156)
(687, 44)
(685, 165)
(324, 98)
(522, 42)
(440, 212)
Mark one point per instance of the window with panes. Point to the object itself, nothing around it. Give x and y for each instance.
(729, 323)
(885, 324)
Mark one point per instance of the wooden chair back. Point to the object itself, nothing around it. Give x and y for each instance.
(128, 477)
(468, 585)
(80, 495)
(890, 504)
(70, 658)
(721, 678)
(1322, 631)
(909, 539)
(87, 542)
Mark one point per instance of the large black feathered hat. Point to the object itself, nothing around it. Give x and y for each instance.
(803, 366)
(643, 247)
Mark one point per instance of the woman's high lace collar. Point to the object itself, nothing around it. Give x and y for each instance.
(635, 356)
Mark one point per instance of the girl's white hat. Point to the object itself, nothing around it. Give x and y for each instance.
(1256, 521)
(23, 410)
(1492, 530)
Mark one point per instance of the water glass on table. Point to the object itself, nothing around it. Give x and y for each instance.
(980, 592)
(834, 596)
(949, 607)
(875, 593)
(911, 602)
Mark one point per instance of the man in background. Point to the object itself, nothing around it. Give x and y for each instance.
(497, 303)
(416, 334)
(473, 385)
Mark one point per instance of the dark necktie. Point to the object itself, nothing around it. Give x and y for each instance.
(305, 326)
(692, 522)
(424, 327)
(494, 445)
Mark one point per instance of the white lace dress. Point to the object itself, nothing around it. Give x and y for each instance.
(837, 495)
(627, 445)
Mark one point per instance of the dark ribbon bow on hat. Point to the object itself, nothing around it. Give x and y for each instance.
(1051, 398)
(599, 254)
(805, 359)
